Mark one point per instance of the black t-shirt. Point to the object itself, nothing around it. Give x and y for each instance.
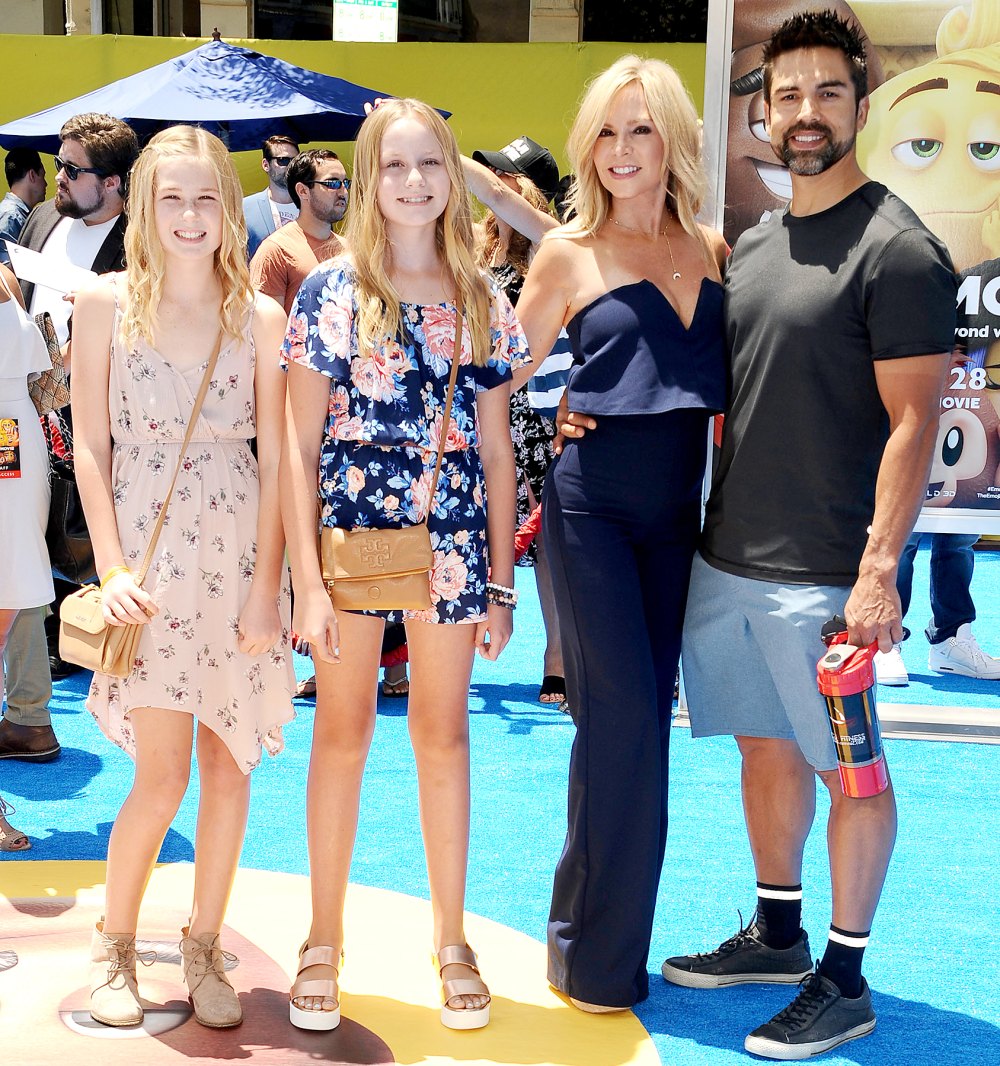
(811, 301)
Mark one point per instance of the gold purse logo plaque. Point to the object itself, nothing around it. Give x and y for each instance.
(375, 552)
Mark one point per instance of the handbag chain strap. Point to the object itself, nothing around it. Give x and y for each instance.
(195, 412)
(456, 358)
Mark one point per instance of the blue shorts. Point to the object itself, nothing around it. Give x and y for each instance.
(749, 658)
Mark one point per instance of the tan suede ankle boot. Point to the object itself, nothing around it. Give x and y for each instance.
(213, 997)
(114, 994)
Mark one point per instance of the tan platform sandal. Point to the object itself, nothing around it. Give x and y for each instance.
(315, 1020)
(214, 999)
(458, 1017)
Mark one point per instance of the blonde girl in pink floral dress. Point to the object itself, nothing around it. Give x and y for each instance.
(369, 349)
(215, 603)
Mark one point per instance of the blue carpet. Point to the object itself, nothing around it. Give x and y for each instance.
(935, 941)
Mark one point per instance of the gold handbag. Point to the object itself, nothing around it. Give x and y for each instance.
(387, 569)
(50, 390)
(378, 569)
(85, 638)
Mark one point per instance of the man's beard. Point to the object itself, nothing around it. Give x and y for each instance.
(335, 214)
(71, 209)
(808, 164)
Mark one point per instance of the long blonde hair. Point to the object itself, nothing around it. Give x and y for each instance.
(378, 302)
(676, 121)
(143, 252)
(519, 246)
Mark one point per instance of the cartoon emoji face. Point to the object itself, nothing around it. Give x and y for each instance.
(9, 436)
(757, 182)
(964, 471)
(933, 138)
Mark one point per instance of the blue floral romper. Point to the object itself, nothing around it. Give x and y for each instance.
(393, 397)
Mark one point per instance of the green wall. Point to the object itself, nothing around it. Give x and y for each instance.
(495, 91)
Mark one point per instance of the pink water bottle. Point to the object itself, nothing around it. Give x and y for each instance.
(846, 679)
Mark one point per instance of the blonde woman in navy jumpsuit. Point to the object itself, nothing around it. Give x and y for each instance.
(636, 282)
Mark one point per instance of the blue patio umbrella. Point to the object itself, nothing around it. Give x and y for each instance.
(240, 95)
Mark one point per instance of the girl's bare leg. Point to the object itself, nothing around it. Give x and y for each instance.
(162, 767)
(440, 671)
(342, 733)
(222, 822)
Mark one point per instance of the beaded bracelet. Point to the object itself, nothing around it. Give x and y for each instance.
(501, 595)
(114, 572)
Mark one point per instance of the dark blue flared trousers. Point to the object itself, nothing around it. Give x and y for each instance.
(621, 514)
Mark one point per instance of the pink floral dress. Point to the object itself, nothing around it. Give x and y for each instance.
(385, 401)
(203, 564)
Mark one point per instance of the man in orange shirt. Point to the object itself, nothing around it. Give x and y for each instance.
(318, 185)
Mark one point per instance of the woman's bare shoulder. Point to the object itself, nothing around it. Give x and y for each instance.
(267, 308)
(568, 236)
(564, 248)
(101, 293)
(11, 284)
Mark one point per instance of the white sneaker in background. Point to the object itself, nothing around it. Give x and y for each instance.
(961, 654)
(890, 668)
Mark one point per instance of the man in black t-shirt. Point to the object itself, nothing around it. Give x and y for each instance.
(840, 315)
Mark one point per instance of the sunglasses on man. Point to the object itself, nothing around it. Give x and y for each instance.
(281, 160)
(73, 171)
(331, 183)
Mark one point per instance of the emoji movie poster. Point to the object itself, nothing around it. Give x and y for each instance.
(933, 138)
(10, 448)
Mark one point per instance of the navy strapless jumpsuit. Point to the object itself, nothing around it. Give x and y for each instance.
(621, 519)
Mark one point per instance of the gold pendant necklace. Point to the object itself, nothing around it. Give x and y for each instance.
(660, 233)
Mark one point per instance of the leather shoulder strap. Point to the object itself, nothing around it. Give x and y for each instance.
(195, 412)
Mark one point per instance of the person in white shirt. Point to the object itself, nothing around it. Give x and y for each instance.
(84, 225)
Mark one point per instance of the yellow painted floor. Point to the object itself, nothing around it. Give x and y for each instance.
(390, 995)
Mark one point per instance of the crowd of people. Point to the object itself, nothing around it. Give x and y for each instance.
(373, 379)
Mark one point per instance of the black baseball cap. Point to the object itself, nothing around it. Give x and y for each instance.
(527, 157)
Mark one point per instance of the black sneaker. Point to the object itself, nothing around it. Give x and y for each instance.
(817, 1020)
(743, 959)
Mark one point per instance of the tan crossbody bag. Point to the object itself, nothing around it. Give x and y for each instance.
(85, 638)
(387, 569)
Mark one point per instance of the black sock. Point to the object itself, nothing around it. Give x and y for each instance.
(841, 961)
(779, 914)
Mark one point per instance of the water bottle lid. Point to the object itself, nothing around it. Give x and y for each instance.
(837, 657)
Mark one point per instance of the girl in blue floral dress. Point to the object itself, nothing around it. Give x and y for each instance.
(369, 350)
